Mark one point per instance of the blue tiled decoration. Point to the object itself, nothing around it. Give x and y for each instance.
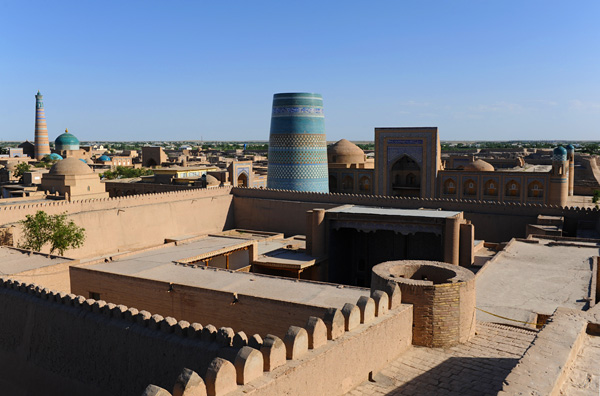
(297, 144)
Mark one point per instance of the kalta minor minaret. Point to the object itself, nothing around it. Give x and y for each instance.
(42, 146)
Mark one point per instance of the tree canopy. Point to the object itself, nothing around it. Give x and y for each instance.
(122, 172)
(41, 228)
(22, 167)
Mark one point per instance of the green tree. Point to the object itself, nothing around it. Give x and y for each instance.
(21, 169)
(41, 228)
(122, 172)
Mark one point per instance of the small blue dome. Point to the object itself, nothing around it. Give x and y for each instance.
(104, 158)
(570, 148)
(55, 157)
(559, 154)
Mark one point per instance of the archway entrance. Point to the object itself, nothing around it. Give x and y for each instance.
(405, 178)
(242, 180)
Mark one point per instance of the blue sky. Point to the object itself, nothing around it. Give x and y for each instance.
(150, 70)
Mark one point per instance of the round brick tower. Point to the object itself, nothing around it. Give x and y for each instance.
(559, 182)
(41, 144)
(442, 295)
(571, 159)
(297, 144)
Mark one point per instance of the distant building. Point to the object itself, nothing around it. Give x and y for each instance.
(408, 164)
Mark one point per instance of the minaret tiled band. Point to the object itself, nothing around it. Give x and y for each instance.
(41, 144)
(297, 143)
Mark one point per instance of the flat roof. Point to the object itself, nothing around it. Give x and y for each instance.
(276, 254)
(536, 277)
(272, 250)
(14, 261)
(136, 263)
(369, 210)
(244, 283)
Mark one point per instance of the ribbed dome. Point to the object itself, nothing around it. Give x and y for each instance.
(70, 166)
(479, 166)
(55, 157)
(212, 181)
(104, 158)
(66, 141)
(345, 152)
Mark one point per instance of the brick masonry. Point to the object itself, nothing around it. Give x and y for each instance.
(477, 367)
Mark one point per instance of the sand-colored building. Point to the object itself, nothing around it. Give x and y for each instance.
(408, 164)
(72, 179)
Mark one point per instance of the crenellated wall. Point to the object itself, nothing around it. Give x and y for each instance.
(133, 222)
(493, 221)
(62, 344)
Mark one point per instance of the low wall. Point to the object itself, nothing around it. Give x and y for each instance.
(543, 368)
(250, 314)
(493, 221)
(134, 222)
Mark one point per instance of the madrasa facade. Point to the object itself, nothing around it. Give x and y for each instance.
(408, 163)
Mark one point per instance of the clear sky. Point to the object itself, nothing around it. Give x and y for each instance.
(176, 70)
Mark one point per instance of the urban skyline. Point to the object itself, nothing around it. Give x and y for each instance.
(114, 71)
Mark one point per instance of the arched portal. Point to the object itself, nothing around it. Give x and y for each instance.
(405, 177)
(242, 180)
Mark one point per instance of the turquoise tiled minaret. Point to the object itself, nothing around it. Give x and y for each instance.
(297, 144)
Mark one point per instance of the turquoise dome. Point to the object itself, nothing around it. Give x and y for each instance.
(559, 154)
(55, 157)
(570, 148)
(104, 158)
(66, 141)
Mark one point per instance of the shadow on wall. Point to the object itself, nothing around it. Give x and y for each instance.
(460, 376)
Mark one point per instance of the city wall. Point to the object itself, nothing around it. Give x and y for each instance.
(250, 314)
(117, 189)
(134, 222)
(493, 221)
(62, 344)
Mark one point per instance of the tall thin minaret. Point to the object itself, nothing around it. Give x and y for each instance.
(42, 146)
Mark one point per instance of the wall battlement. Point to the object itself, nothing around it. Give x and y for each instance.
(9, 213)
(45, 332)
(413, 202)
(128, 223)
